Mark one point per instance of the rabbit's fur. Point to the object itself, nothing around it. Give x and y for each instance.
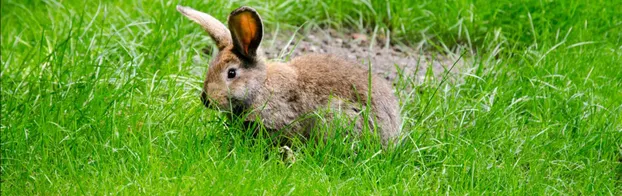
(278, 94)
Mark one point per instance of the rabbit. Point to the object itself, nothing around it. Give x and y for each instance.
(278, 94)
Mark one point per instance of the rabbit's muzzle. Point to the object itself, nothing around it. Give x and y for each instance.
(204, 99)
(231, 105)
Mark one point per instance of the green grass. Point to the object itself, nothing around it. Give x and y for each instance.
(102, 97)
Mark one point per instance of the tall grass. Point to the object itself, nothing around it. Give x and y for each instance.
(101, 97)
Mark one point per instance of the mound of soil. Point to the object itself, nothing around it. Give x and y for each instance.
(384, 58)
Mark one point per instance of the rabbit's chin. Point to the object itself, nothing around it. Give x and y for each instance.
(237, 108)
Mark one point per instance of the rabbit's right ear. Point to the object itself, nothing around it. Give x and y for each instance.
(216, 29)
(246, 31)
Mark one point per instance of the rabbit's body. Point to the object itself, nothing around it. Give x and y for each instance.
(313, 82)
(281, 95)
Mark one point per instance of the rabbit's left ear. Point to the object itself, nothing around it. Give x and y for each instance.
(214, 28)
(246, 31)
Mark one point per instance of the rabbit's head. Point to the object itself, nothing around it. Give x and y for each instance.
(236, 73)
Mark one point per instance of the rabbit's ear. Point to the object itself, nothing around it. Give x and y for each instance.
(216, 29)
(246, 31)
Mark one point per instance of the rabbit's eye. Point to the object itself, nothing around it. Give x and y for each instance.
(231, 73)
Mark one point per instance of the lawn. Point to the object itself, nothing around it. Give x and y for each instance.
(102, 97)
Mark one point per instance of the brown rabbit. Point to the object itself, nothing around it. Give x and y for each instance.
(279, 94)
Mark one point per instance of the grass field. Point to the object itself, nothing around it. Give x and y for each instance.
(99, 97)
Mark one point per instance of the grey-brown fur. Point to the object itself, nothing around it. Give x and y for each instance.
(278, 94)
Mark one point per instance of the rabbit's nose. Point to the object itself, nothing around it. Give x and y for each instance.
(204, 99)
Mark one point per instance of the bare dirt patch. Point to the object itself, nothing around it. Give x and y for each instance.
(362, 48)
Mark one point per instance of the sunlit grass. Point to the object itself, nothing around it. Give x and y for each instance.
(102, 97)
